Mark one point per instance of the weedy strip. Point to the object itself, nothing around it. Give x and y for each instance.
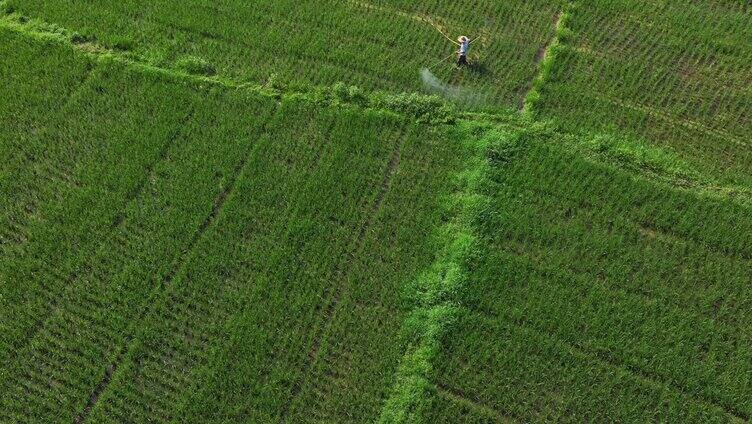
(549, 60)
(435, 293)
(573, 233)
(206, 38)
(659, 71)
(423, 108)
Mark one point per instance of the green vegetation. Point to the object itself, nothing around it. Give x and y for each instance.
(251, 212)
(676, 73)
(616, 288)
(196, 66)
(377, 44)
(434, 292)
(212, 229)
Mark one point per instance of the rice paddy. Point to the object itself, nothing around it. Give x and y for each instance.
(259, 212)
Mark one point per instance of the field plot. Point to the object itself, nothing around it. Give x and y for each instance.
(217, 256)
(599, 297)
(676, 73)
(374, 44)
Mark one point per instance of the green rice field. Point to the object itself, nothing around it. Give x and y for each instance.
(263, 212)
(378, 44)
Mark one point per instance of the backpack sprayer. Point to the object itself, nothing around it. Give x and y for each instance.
(488, 22)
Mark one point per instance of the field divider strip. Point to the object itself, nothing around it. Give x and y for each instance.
(178, 265)
(432, 110)
(540, 55)
(342, 271)
(435, 292)
(547, 59)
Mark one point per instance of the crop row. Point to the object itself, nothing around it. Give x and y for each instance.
(676, 74)
(381, 44)
(64, 216)
(100, 249)
(611, 299)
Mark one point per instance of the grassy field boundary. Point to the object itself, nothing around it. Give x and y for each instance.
(548, 59)
(540, 55)
(653, 163)
(435, 292)
(634, 155)
(421, 107)
(424, 108)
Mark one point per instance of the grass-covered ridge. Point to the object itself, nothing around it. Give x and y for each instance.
(613, 299)
(434, 292)
(675, 73)
(422, 107)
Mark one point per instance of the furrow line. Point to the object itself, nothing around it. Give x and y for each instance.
(541, 56)
(659, 230)
(434, 21)
(435, 302)
(132, 194)
(99, 52)
(36, 161)
(343, 270)
(608, 359)
(178, 265)
(70, 279)
(318, 155)
(689, 124)
(461, 397)
(39, 324)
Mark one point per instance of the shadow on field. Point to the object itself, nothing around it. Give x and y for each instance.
(480, 69)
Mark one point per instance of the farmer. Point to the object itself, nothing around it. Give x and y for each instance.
(464, 44)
